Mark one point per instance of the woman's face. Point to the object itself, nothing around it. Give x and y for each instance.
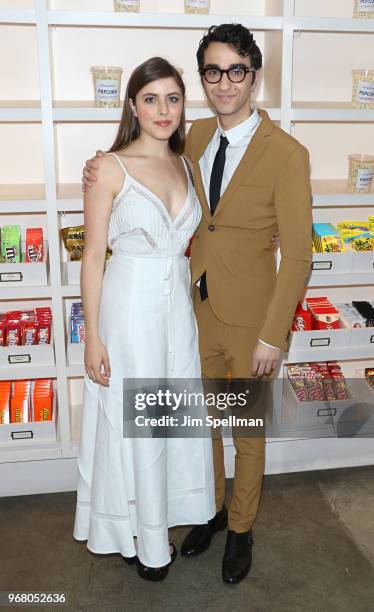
(159, 106)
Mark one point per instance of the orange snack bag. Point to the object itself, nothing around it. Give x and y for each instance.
(43, 400)
(5, 389)
(20, 402)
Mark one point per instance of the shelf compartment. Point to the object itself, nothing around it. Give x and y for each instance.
(43, 431)
(75, 351)
(72, 272)
(327, 264)
(314, 340)
(25, 274)
(313, 419)
(32, 432)
(23, 356)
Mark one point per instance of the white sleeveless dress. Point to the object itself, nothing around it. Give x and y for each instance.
(141, 486)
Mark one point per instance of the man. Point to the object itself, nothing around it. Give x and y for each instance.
(252, 180)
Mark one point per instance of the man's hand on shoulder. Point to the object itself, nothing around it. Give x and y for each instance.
(89, 176)
(265, 359)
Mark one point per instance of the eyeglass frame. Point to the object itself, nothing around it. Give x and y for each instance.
(246, 69)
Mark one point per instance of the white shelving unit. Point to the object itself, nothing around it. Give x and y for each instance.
(27, 467)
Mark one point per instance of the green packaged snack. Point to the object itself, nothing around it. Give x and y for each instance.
(11, 243)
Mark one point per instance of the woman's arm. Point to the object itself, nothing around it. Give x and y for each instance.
(97, 207)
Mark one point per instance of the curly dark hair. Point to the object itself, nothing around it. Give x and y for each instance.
(235, 35)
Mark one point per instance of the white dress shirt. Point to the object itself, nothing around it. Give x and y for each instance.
(239, 138)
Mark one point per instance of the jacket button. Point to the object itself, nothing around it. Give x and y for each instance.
(211, 228)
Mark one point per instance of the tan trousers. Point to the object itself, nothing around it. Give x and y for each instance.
(226, 348)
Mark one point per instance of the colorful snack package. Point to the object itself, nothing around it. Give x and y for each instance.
(2, 329)
(326, 238)
(5, 390)
(302, 319)
(11, 243)
(73, 239)
(20, 406)
(43, 400)
(34, 245)
(325, 318)
(78, 333)
(44, 332)
(29, 333)
(13, 333)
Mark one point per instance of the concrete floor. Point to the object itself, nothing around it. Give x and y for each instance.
(314, 551)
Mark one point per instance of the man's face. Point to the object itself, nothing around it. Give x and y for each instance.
(231, 100)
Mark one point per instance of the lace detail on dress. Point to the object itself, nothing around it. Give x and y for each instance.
(136, 230)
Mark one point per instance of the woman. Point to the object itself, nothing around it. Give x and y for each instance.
(140, 324)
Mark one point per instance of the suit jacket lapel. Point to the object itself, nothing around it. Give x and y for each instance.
(254, 150)
(205, 138)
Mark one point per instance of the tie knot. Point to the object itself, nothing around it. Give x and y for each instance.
(223, 142)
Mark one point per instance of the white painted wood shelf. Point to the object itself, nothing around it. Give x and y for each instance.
(52, 466)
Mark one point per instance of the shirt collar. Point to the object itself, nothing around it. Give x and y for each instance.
(235, 134)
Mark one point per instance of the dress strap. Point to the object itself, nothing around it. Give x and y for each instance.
(119, 161)
(188, 169)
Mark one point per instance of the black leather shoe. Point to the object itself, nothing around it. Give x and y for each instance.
(200, 536)
(155, 574)
(237, 559)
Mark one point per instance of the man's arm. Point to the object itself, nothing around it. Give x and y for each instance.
(292, 199)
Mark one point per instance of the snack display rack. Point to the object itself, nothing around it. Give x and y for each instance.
(48, 463)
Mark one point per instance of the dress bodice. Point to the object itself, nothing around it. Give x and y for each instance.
(140, 223)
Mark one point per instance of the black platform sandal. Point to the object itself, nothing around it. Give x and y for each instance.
(129, 560)
(156, 574)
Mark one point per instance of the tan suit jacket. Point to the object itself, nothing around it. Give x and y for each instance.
(269, 190)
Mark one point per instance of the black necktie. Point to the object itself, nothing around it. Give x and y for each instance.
(217, 174)
(215, 194)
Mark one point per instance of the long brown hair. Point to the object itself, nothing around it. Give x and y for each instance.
(129, 129)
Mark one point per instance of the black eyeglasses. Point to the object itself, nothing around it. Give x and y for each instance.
(236, 74)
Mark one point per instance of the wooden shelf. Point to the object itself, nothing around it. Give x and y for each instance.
(22, 111)
(325, 24)
(330, 111)
(27, 372)
(341, 280)
(17, 16)
(328, 354)
(22, 198)
(26, 292)
(157, 20)
(334, 193)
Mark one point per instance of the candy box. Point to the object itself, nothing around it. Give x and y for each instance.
(326, 238)
(302, 320)
(325, 317)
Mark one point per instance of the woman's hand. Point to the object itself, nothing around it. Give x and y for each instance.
(95, 358)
